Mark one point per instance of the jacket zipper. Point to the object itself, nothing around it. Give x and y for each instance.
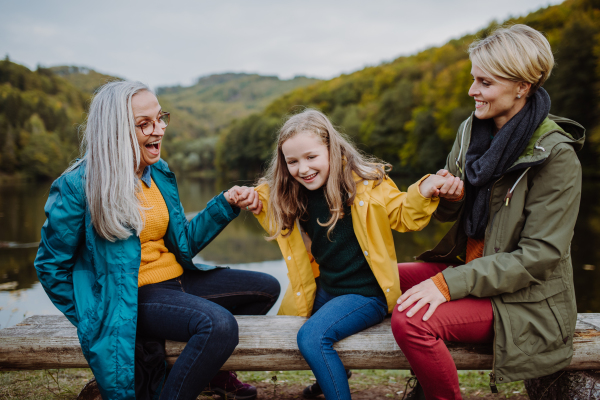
(493, 386)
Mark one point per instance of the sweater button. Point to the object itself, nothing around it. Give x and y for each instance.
(289, 257)
(298, 294)
(365, 183)
(366, 253)
(361, 203)
(388, 290)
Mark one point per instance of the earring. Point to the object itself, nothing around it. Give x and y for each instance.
(518, 96)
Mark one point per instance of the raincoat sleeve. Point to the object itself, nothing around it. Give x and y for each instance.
(551, 209)
(448, 211)
(208, 223)
(263, 195)
(62, 234)
(407, 211)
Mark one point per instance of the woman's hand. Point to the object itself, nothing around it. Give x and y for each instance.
(245, 198)
(433, 185)
(424, 293)
(452, 189)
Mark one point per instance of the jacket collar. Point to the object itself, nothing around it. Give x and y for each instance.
(552, 131)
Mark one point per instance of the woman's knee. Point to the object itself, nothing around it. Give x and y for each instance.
(405, 328)
(221, 326)
(272, 286)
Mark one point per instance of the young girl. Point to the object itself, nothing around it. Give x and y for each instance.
(320, 189)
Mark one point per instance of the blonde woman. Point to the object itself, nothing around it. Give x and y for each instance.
(503, 274)
(116, 259)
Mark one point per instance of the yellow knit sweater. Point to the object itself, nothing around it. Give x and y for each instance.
(158, 264)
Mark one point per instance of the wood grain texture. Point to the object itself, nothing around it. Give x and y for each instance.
(267, 343)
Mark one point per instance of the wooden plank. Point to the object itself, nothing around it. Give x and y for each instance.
(267, 343)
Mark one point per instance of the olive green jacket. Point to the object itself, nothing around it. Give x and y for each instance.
(526, 265)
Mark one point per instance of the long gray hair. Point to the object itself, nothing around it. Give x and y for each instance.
(112, 154)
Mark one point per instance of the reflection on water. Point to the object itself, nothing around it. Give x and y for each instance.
(240, 245)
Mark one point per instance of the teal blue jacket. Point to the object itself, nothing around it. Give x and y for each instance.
(94, 282)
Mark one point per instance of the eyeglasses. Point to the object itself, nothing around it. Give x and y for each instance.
(148, 127)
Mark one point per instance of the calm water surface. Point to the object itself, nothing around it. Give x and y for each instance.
(241, 245)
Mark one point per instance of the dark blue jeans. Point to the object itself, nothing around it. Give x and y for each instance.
(335, 318)
(198, 308)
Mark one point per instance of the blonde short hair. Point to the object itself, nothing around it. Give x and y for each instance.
(518, 53)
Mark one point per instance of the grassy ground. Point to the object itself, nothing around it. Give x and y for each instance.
(65, 384)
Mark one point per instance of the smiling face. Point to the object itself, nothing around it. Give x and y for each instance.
(146, 109)
(307, 159)
(496, 97)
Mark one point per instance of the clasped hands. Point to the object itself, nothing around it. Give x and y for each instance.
(244, 197)
(442, 184)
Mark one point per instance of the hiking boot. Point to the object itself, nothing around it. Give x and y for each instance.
(416, 393)
(314, 390)
(90, 391)
(228, 386)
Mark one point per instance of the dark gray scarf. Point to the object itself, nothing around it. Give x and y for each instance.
(487, 160)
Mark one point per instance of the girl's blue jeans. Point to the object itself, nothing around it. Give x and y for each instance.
(198, 308)
(335, 318)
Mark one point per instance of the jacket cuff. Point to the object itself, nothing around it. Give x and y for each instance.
(456, 282)
(220, 210)
(440, 283)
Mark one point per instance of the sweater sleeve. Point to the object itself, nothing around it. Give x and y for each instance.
(440, 282)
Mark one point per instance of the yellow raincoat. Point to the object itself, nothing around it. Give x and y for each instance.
(375, 212)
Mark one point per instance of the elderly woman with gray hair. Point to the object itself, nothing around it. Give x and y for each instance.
(503, 274)
(116, 258)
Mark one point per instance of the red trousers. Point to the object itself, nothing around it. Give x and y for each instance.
(469, 320)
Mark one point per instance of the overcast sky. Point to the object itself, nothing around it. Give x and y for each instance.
(175, 42)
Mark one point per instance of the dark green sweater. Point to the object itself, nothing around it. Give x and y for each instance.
(344, 269)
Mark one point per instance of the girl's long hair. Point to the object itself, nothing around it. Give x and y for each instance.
(111, 152)
(287, 201)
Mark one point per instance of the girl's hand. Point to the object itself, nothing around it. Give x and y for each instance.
(452, 188)
(424, 293)
(433, 185)
(245, 198)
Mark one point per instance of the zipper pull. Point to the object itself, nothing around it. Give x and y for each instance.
(493, 383)
(458, 166)
(508, 197)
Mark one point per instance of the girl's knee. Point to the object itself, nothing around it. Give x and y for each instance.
(308, 338)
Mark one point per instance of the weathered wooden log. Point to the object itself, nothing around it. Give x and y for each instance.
(266, 343)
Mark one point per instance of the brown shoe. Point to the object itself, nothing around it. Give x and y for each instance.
(90, 391)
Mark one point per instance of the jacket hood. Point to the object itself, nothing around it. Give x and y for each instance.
(575, 133)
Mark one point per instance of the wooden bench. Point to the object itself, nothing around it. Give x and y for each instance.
(267, 343)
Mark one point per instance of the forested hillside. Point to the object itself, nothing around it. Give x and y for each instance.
(39, 114)
(407, 111)
(200, 111)
(83, 78)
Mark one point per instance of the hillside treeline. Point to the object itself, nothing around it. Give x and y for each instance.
(39, 117)
(407, 111)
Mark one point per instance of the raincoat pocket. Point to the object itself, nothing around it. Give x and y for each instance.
(536, 324)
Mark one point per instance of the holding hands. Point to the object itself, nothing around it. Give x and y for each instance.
(244, 197)
(442, 184)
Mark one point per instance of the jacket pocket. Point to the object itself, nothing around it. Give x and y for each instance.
(535, 322)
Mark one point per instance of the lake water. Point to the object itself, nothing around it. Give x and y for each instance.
(241, 245)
